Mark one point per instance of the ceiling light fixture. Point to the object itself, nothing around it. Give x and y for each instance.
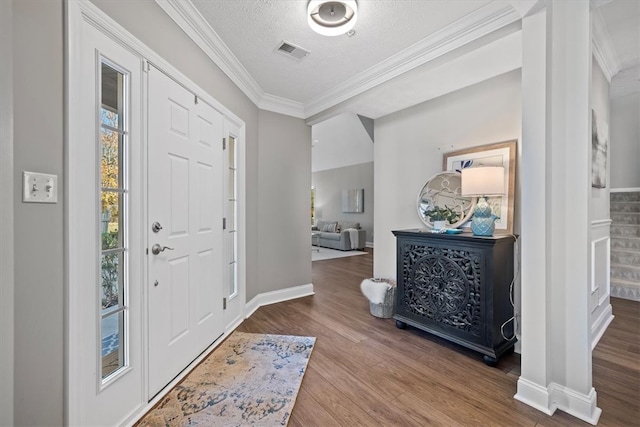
(332, 18)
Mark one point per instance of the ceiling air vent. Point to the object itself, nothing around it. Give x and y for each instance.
(292, 50)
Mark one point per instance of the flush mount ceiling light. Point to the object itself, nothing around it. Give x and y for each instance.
(332, 18)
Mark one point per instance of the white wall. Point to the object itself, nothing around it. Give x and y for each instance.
(340, 141)
(6, 215)
(329, 185)
(410, 144)
(625, 141)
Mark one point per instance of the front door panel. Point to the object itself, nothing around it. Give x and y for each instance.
(185, 199)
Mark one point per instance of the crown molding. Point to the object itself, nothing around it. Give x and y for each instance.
(527, 7)
(485, 20)
(603, 49)
(281, 105)
(198, 29)
(626, 82)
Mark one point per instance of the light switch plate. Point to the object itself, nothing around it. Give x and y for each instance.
(39, 187)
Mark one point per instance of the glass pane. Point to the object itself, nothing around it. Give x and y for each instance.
(230, 242)
(231, 191)
(232, 152)
(110, 220)
(111, 158)
(232, 278)
(112, 94)
(109, 118)
(111, 280)
(111, 155)
(231, 216)
(112, 348)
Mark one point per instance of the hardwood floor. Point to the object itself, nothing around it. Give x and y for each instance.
(365, 371)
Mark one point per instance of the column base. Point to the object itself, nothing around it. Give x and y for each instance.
(556, 396)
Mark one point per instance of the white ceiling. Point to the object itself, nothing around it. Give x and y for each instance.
(254, 29)
(392, 38)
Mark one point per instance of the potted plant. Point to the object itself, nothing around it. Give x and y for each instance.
(441, 216)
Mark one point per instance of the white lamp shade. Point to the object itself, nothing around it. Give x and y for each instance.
(483, 181)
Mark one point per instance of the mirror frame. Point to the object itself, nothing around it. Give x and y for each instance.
(455, 194)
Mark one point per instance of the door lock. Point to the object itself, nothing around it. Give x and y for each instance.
(156, 227)
(156, 249)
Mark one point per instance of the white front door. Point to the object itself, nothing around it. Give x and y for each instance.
(185, 244)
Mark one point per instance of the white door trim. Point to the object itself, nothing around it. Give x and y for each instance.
(79, 13)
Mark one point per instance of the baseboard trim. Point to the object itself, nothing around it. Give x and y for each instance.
(555, 396)
(624, 190)
(535, 395)
(277, 296)
(625, 291)
(582, 406)
(600, 325)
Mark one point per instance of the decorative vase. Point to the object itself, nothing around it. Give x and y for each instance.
(483, 221)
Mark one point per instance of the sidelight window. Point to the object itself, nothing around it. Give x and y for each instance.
(112, 158)
(231, 212)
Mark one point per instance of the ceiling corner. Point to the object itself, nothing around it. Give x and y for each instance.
(281, 105)
(196, 27)
(603, 49)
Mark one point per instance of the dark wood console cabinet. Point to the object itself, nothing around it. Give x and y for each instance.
(457, 287)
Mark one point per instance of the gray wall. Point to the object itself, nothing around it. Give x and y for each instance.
(329, 185)
(625, 141)
(284, 237)
(6, 215)
(38, 249)
(38, 61)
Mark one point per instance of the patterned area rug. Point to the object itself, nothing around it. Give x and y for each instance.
(248, 379)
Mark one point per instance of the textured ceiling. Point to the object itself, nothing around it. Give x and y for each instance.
(253, 29)
(622, 19)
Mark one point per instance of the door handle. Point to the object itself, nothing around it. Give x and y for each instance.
(156, 249)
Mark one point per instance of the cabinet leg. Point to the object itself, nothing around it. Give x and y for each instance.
(400, 324)
(490, 360)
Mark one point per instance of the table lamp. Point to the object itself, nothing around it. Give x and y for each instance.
(481, 182)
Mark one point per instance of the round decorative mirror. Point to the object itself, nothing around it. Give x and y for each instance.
(442, 192)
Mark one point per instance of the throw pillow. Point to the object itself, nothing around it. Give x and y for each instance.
(330, 228)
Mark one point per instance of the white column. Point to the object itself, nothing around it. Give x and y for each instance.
(556, 344)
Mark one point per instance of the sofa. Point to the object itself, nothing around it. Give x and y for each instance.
(338, 235)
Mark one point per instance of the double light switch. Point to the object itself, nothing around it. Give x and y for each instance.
(39, 188)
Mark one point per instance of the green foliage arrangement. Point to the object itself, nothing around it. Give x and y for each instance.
(442, 214)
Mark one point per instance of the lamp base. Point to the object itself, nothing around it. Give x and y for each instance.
(483, 221)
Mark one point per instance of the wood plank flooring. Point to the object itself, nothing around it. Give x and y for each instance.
(364, 371)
